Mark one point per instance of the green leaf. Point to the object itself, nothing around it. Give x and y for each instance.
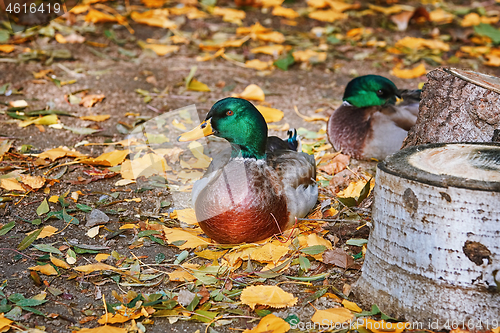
(6, 228)
(30, 302)
(332, 39)
(262, 312)
(146, 233)
(84, 208)
(29, 239)
(4, 36)
(47, 248)
(357, 241)
(181, 257)
(313, 250)
(204, 316)
(488, 31)
(348, 202)
(375, 311)
(43, 208)
(315, 296)
(285, 62)
(194, 303)
(79, 250)
(157, 240)
(6, 86)
(35, 311)
(14, 298)
(159, 258)
(364, 192)
(304, 263)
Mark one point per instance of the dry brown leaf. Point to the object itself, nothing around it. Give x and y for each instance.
(390, 10)
(409, 73)
(338, 257)
(270, 323)
(47, 231)
(102, 256)
(47, 269)
(336, 163)
(272, 296)
(332, 317)
(211, 255)
(89, 101)
(257, 28)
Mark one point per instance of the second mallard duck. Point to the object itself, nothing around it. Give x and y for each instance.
(258, 188)
(369, 124)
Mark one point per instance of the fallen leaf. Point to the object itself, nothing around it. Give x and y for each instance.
(187, 239)
(21, 103)
(98, 118)
(274, 50)
(196, 85)
(409, 73)
(329, 15)
(336, 163)
(441, 16)
(109, 318)
(351, 306)
(383, 326)
(421, 43)
(103, 329)
(101, 256)
(272, 296)
(181, 275)
(332, 317)
(285, 12)
(89, 101)
(270, 323)
(270, 252)
(6, 48)
(46, 232)
(161, 49)
(309, 56)
(59, 263)
(56, 153)
(146, 166)
(473, 19)
(252, 92)
(389, 10)
(110, 159)
(94, 231)
(229, 14)
(96, 16)
(258, 64)
(11, 184)
(45, 120)
(338, 257)
(186, 215)
(402, 19)
(211, 56)
(4, 323)
(273, 37)
(35, 182)
(95, 267)
(47, 269)
(154, 18)
(270, 115)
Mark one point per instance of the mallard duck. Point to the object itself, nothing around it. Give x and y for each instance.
(258, 187)
(369, 124)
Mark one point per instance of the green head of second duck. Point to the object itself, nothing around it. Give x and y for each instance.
(370, 90)
(240, 123)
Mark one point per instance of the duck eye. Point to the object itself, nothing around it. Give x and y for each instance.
(229, 112)
(380, 92)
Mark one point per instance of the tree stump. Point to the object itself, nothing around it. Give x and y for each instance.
(457, 106)
(433, 257)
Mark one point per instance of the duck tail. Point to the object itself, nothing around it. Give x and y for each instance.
(293, 140)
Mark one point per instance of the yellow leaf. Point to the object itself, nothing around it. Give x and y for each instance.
(273, 37)
(35, 182)
(109, 318)
(96, 16)
(95, 267)
(146, 166)
(440, 16)
(45, 120)
(133, 200)
(191, 237)
(102, 117)
(103, 329)
(354, 189)
(128, 226)
(329, 15)
(421, 43)
(59, 262)
(314, 239)
(124, 182)
(258, 64)
(269, 253)
(211, 56)
(46, 232)
(285, 12)
(270, 3)
(179, 39)
(4, 323)
(186, 215)
(351, 306)
(54, 199)
(473, 19)
(270, 323)
(196, 85)
(317, 3)
(341, 6)
(389, 10)
(257, 28)
(274, 50)
(101, 256)
(229, 14)
(60, 39)
(54, 154)
(110, 159)
(271, 115)
(6, 48)
(11, 184)
(475, 51)
(79, 9)
(309, 56)
(47, 269)
(493, 60)
(181, 275)
(331, 317)
(495, 330)
(154, 18)
(211, 255)
(409, 73)
(272, 296)
(253, 92)
(161, 49)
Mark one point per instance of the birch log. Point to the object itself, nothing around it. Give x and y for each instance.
(433, 257)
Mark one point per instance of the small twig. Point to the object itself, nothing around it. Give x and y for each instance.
(4, 248)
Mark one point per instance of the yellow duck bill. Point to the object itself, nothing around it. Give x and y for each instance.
(204, 129)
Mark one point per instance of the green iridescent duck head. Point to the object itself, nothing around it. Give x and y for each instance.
(237, 121)
(370, 90)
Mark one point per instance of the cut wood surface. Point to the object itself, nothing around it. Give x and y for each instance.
(457, 106)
